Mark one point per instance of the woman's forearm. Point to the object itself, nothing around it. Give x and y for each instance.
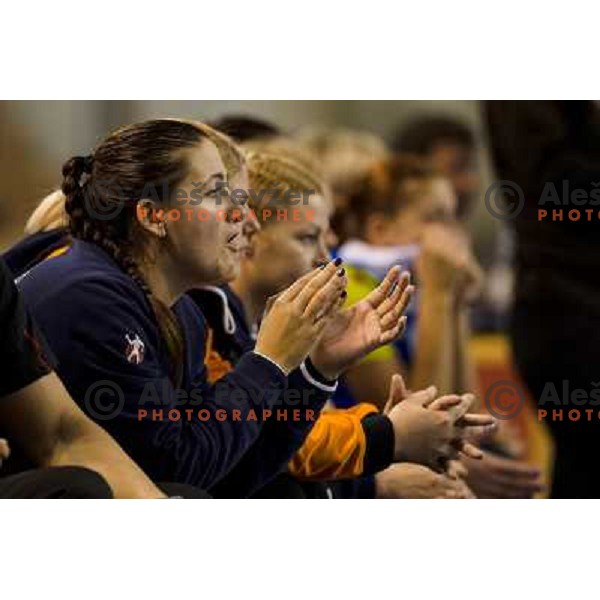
(465, 378)
(434, 360)
(83, 443)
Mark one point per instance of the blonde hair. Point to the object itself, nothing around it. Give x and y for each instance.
(287, 148)
(269, 172)
(49, 214)
(344, 155)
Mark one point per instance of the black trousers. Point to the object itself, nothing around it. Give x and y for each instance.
(55, 482)
(183, 490)
(75, 482)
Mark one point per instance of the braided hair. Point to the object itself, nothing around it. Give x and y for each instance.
(102, 192)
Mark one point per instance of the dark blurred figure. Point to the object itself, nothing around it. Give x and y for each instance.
(242, 128)
(450, 147)
(556, 320)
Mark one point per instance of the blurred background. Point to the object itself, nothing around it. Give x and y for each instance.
(37, 137)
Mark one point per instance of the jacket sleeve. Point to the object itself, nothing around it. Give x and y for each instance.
(283, 433)
(23, 354)
(344, 444)
(91, 334)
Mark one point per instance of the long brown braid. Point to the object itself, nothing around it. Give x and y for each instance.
(102, 191)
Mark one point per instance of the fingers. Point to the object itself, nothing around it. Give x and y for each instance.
(507, 467)
(395, 306)
(477, 419)
(323, 318)
(293, 290)
(397, 393)
(456, 489)
(325, 298)
(323, 287)
(400, 295)
(499, 477)
(518, 489)
(423, 397)
(322, 274)
(471, 450)
(269, 304)
(476, 277)
(510, 484)
(398, 331)
(382, 291)
(4, 449)
(479, 432)
(464, 492)
(445, 402)
(467, 401)
(456, 470)
(477, 426)
(517, 470)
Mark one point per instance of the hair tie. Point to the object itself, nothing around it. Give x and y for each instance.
(88, 163)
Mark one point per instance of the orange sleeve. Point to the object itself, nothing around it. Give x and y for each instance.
(335, 447)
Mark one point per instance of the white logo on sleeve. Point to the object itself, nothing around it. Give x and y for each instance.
(134, 352)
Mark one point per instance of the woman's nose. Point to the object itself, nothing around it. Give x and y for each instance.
(323, 255)
(251, 226)
(237, 211)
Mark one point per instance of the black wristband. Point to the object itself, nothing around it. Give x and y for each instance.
(315, 374)
(379, 433)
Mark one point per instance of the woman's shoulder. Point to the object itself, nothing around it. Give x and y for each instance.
(80, 278)
(73, 264)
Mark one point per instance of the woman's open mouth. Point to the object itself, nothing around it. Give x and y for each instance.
(235, 242)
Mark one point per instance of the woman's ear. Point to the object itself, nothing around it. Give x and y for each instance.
(152, 217)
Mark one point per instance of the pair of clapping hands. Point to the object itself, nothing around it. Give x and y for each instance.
(434, 430)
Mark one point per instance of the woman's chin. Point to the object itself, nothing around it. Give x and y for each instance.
(224, 275)
(229, 272)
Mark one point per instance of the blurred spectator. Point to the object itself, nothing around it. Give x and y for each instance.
(407, 214)
(244, 127)
(344, 156)
(449, 146)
